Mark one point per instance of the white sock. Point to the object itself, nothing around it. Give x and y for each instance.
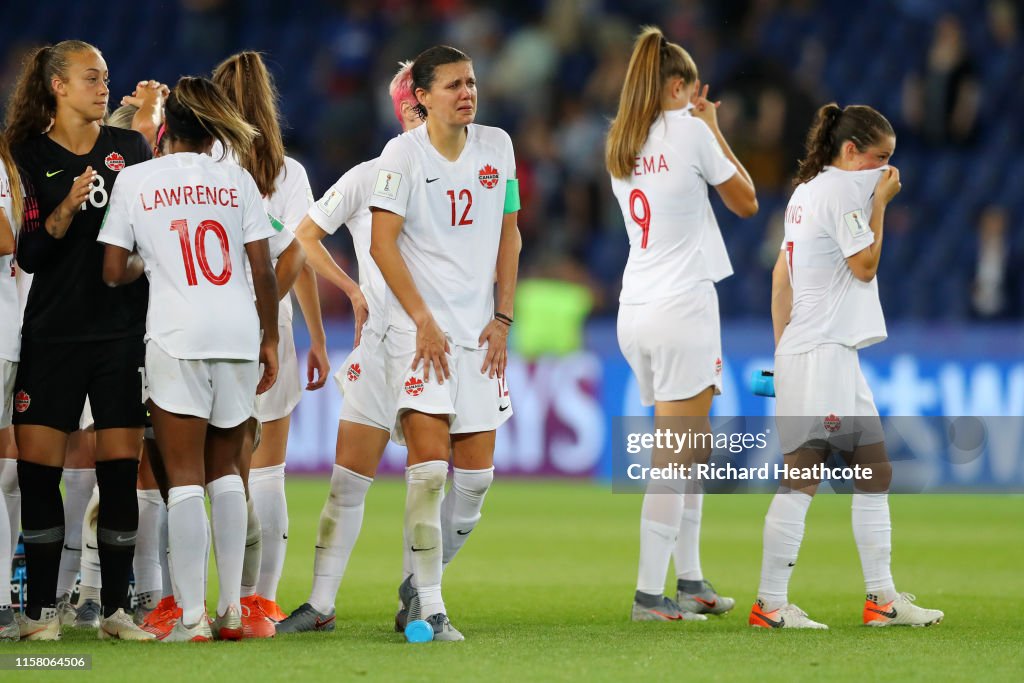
(266, 486)
(659, 526)
(90, 549)
(146, 564)
(460, 509)
(5, 558)
(227, 511)
(188, 542)
(166, 579)
(686, 553)
(424, 487)
(340, 522)
(783, 533)
(872, 529)
(12, 499)
(253, 550)
(78, 486)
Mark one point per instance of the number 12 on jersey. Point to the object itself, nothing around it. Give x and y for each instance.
(181, 227)
(643, 219)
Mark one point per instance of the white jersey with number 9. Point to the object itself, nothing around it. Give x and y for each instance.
(190, 219)
(674, 240)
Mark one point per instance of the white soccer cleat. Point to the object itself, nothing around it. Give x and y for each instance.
(787, 616)
(200, 633)
(228, 626)
(47, 627)
(121, 626)
(899, 612)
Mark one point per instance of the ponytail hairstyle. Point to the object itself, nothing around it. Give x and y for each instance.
(401, 90)
(654, 61)
(858, 123)
(247, 83)
(197, 110)
(17, 200)
(424, 68)
(33, 105)
(122, 116)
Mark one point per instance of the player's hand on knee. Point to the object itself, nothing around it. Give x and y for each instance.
(432, 348)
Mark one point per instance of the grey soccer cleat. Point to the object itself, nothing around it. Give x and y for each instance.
(660, 608)
(66, 612)
(306, 618)
(9, 628)
(406, 593)
(705, 601)
(443, 629)
(89, 615)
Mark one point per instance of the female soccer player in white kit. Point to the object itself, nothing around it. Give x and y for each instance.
(825, 307)
(445, 202)
(11, 203)
(368, 410)
(664, 149)
(194, 222)
(283, 182)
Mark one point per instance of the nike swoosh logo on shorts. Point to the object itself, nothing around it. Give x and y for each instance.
(502, 409)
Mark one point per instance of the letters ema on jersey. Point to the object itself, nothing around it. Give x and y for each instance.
(489, 176)
(855, 222)
(387, 184)
(645, 165)
(191, 194)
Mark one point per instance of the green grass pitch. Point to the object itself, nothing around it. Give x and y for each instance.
(543, 589)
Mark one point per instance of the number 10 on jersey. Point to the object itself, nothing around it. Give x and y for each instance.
(181, 227)
(638, 199)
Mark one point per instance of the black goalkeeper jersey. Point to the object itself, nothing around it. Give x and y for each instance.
(68, 300)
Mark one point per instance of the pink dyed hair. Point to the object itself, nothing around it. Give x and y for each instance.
(401, 89)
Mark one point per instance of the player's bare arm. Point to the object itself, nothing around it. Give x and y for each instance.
(431, 344)
(265, 284)
(120, 266)
(864, 263)
(318, 366)
(311, 236)
(289, 264)
(738, 192)
(782, 297)
(495, 335)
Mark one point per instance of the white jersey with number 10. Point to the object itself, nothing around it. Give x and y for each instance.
(190, 219)
(674, 239)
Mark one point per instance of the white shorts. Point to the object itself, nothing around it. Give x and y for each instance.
(368, 398)
(280, 400)
(821, 397)
(472, 401)
(222, 391)
(8, 370)
(673, 345)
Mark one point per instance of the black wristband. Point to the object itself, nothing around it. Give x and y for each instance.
(501, 317)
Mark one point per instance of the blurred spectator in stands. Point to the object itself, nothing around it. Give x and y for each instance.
(208, 31)
(552, 303)
(942, 103)
(994, 295)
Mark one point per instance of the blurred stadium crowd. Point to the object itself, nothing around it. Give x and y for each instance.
(949, 74)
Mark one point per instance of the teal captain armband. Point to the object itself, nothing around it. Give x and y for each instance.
(512, 195)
